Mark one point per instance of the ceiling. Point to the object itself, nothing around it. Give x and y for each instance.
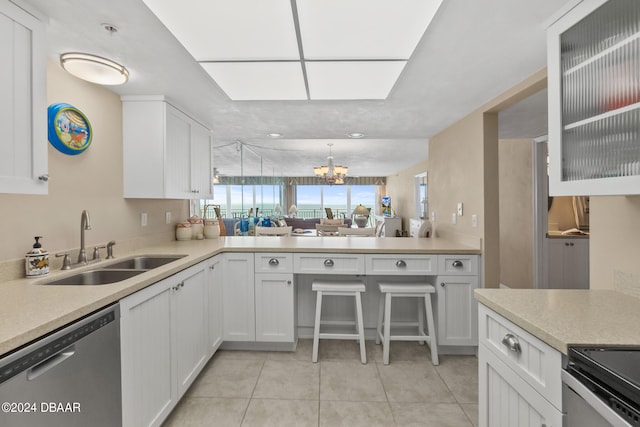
(471, 52)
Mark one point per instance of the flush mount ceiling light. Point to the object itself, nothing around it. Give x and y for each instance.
(355, 135)
(274, 135)
(300, 50)
(94, 69)
(331, 174)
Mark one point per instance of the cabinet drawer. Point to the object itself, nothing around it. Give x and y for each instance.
(274, 262)
(534, 361)
(328, 263)
(458, 264)
(402, 265)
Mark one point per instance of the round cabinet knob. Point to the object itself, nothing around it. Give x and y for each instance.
(442, 284)
(512, 343)
(457, 264)
(274, 262)
(328, 263)
(401, 263)
(288, 282)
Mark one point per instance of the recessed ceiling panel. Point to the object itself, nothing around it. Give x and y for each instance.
(352, 80)
(230, 29)
(363, 29)
(243, 81)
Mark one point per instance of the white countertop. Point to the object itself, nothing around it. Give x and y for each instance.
(562, 317)
(29, 310)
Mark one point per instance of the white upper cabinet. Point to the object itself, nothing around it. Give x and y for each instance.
(594, 99)
(23, 110)
(167, 154)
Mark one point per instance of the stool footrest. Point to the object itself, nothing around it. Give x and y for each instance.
(338, 336)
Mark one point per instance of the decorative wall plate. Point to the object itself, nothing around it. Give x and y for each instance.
(69, 130)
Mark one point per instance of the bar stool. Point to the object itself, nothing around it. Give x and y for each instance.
(339, 288)
(406, 290)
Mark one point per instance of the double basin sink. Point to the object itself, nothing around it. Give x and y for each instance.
(117, 271)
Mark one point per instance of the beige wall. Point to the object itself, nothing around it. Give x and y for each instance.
(561, 213)
(614, 249)
(516, 213)
(401, 188)
(91, 180)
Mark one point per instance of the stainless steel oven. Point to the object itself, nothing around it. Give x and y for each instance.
(601, 387)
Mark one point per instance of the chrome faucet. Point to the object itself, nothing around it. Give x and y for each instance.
(85, 224)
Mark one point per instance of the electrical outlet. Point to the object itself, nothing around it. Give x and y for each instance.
(474, 220)
(167, 217)
(459, 208)
(143, 219)
(454, 218)
(433, 217)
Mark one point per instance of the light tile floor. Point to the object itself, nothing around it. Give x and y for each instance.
(248, 388)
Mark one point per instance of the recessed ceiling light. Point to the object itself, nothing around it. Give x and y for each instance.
(274, 135)
(356, 135)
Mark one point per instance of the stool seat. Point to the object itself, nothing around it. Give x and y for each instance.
(341, 287)
(406, 289)
(349, 288)
(388, 290)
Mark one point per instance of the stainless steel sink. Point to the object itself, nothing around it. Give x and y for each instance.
(96, 277)
(144, 262)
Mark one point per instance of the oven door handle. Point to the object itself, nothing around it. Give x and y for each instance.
(592, 400)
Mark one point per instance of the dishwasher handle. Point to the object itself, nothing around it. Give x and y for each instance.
(45, 366)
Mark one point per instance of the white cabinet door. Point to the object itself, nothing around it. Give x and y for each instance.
(178, 161)
(592, 56)
(148, 388)
(201, 162)
(507, 400)
(457, 310)
(274, 302)
(238, 297)
(23, 146)
(190, 323)
(568, 263)
(215, 303)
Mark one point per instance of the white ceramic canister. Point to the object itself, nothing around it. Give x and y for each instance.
(37, 260)
(211, 228)
(197, 229)
(183, 231)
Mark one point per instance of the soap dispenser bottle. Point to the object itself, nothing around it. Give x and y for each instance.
(37, 260)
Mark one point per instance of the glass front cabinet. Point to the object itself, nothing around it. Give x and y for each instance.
(594, 99)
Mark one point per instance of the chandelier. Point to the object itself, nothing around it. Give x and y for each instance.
(331, 174)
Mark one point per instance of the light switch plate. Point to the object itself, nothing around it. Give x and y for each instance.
(454, 218)
(167, 217)
(459, 208)
(433, 217)
(143, 219)
(474, 220)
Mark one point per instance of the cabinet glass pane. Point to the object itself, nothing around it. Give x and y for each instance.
(600, 64)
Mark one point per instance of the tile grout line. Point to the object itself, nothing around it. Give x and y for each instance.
(244, 415)
(454, 396)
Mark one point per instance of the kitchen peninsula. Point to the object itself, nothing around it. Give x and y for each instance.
(29, 310)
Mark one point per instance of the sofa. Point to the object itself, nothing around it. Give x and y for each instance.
(303, 223)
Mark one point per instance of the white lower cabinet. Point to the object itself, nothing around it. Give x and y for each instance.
(568, 263)
(519, 376)
(507, 400)
(457, 308)
(258, 307)
(214, 266)
(163, 345)
(274, 299)
(238, 297)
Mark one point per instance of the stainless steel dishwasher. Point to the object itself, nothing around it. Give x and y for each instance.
(71, 377)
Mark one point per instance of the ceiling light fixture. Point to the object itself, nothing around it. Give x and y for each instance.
(331, 174)
(94, 69)
(355, 135)
(274, 135)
